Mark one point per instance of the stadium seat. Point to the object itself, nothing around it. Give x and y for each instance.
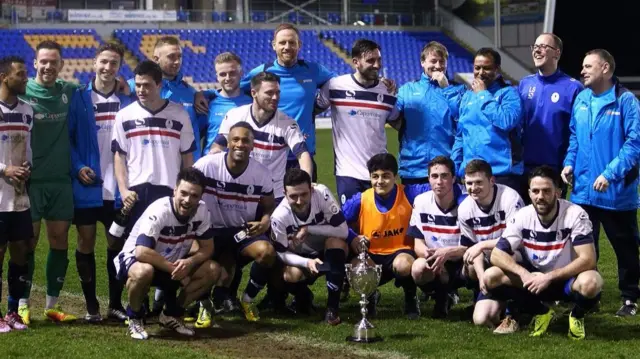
(401, 50)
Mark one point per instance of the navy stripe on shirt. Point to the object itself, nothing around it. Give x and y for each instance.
(106, 107)
(152, 122)
(438, 220)
(174, 230)
(15, 117)
(545, 237)
(234, 187)
(362, 95)
(485, 221)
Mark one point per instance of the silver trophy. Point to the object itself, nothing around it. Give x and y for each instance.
(364, 280)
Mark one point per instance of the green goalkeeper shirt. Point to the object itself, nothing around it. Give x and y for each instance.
(50, 134)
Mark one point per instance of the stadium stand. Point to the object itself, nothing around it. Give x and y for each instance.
(78, 50)
(401, 50)
(330, 48)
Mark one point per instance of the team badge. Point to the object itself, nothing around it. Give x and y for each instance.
(334, 209)
(343, 199)
(326, 195)
(250, 189)
(293, 126)
(95, 108)
(64, 98)
(169, 124)
(271, 137)
(555, 97)
(380, 97)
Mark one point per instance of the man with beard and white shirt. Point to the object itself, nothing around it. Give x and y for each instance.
(360, 107)
(555, 238)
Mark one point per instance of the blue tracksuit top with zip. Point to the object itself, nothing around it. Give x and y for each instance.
(605, 140)
(178, 91)
(490, 128)
(298, 86)
(83, 135)
(428, 129)
(218, 108)
(547, 102)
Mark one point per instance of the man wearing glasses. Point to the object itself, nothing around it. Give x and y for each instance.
(547, 99)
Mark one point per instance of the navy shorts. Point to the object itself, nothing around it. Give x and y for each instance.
(386, 261)
(147, 194)
(225, 244)
(15, 226)
(161, 279)
(456, 278)
(347, 187)
(90, 216)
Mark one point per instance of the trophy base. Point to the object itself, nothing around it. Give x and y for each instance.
(363, 340)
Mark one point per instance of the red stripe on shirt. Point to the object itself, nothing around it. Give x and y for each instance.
(14, 128)
(361, 105)
(153, 132)
(441, 230)
(268, 147)
(105, 117)
(231, 196)
(490, 230)
(175, 240)
(547, 247)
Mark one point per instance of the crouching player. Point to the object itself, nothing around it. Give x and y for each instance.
(556, 239)
(169, 247)
(309, 232)
(434, 225)
(482, 218)
(381, 214)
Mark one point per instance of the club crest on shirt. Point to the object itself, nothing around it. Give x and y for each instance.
(169, 124)
(64, 98)
(555, 97)
(380, 97)
(250, 189)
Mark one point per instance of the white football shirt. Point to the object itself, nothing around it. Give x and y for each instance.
(324, 210)
(233, 200)
(547, 247)
(105, 107)
(153, 141)
(477, 225)
(159, 229)
(358, 116)
(15, 149)
(438, 227)
(273, 140)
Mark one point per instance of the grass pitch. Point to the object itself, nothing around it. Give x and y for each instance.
(306, 337)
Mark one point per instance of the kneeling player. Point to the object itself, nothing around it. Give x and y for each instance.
(557, 238)
(381, 215)
(482, 218)
(434, 225)
(309, 228)
(159, 253)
